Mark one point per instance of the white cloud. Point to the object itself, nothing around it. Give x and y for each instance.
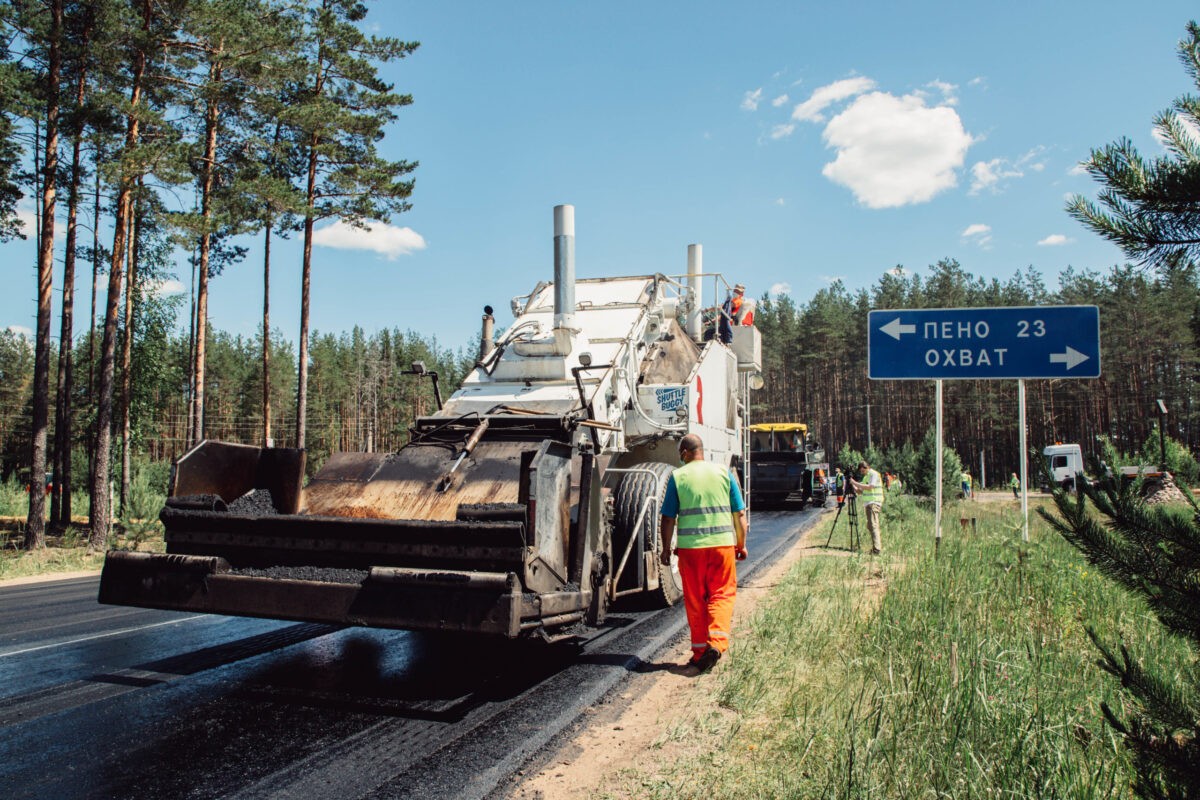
(21, 330)
(1079, 169)
(979, 233)
(751, 100)
(782, 131)
(833, 278)
(977, 81)
(988, 174)
(169, 286)
(778, 101)
(779, 201)
(387, 240)
(27, 220)
(991, 174)
(895, 151)
(1054, 240)
(783, 287)
(897, 270)
(826, 96)
(947, 91)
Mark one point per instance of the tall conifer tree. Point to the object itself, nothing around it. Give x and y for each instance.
(341, 111)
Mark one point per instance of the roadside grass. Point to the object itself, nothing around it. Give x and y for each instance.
(67, 551)
(909, 676)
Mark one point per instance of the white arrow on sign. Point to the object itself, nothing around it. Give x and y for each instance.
(1072, 358)
(894, 329)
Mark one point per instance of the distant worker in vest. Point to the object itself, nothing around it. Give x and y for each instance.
(870, 490)
(711, 537)
(731, 313)
(965, 484)
(1014, 483)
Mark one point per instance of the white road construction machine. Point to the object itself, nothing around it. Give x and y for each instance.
(523, 508)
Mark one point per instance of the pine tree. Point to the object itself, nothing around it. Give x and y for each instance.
(1150, 208)
(150, 29)
(1154, 552)
(242, 50)
(339, 118)
(42, 24)
(10, 151)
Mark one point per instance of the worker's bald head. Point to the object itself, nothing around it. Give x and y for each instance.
(691, 447)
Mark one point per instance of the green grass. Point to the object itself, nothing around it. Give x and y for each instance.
(67, 551)
(969, 676)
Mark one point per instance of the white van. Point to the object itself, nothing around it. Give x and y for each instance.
(1064, 462)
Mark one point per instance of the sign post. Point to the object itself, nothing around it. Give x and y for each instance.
(1007, 342)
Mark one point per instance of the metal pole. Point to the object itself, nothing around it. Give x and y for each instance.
(1024, 462)
(868, 426)
(937, 492)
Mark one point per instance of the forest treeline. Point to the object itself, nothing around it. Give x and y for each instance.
(815, 369)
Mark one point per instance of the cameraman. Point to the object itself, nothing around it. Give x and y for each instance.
(871, 489)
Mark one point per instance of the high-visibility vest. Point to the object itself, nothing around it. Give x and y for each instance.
(704, 512)
(874, 490)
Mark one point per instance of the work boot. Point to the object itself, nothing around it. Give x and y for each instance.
(708, 658)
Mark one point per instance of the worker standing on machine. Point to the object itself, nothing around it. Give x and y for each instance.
(706, 499)
(731, 313)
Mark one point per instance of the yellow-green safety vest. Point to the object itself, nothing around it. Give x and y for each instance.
(872, 494)
(704, 511)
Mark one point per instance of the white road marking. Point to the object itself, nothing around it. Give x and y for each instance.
(101, 636)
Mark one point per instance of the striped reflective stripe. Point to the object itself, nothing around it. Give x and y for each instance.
(715, 634)
(709, 529)
(691, 512)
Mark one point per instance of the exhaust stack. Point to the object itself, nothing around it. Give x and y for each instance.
(695, 267)
(487, 339)
(563, 335)
(564, 267)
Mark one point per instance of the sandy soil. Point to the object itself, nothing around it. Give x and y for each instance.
(639, 717)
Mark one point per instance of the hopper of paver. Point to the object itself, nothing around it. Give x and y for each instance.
(423, 538)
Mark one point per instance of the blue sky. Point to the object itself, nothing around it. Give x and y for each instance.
(798, 142)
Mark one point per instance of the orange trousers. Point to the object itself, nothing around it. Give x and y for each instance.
(709, 577)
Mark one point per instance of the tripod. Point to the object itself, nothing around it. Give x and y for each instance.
(851, 520)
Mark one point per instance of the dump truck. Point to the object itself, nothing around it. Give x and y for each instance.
(786, 461)
(523, 508)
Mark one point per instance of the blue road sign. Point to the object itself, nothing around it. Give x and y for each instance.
(983, 343)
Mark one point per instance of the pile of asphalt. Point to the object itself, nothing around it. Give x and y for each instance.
(254, 503)
(320, 574)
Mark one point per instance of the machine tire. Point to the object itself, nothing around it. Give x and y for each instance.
(631, 494)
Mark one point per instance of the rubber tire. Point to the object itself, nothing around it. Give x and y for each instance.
(631, 494)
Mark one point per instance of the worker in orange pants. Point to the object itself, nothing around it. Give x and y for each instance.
(709, 589)
(704, 500)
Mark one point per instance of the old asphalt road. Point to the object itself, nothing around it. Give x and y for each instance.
(107, 702)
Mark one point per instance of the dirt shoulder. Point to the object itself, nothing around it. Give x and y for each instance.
(638, 718)
(50, 576)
